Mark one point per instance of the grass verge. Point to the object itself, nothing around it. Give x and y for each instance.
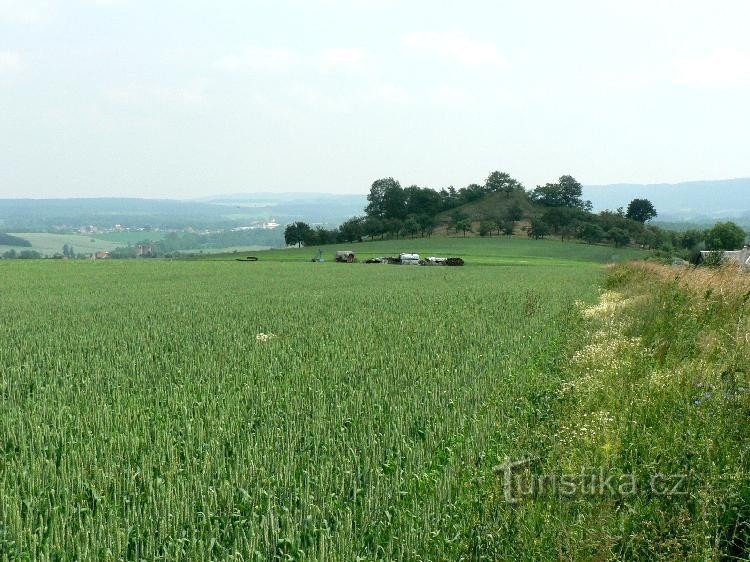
(646, 456)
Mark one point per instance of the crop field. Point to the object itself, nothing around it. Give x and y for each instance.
(278, 410)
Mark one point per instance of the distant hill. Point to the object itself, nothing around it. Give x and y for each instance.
(224, 211)
(695, 201)
(40, 214)
(316, 208)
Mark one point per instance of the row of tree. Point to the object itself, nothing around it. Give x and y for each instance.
(388, 200)
(553, 209)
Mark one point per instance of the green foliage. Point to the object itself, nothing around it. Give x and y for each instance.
(641, 210)
(502, 182)
(565, 193)
(296, 233)
(619, 236)
(715, 258)
(725, 236)
(487, 226)
(538, 229)
(592, 233)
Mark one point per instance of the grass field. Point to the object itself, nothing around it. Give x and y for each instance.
(475, 251)
(125, 238)
(50, 244)
(285, 410)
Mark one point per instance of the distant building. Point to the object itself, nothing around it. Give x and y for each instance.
(101, 255)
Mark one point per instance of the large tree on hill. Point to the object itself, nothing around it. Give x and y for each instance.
(376, 199)
(296, 233)
(566, 192)
(394, 202)
(641, 210)
(725, 236)
(502, 182)
(422, 200)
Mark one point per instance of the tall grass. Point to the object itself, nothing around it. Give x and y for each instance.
(657, 394)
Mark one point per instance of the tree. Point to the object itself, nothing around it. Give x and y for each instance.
(460, 222)
(538, 229)
(464, 225)
(422, 200)
(426, 224)
(487, 226)
(351, 230)
(641, 210)
(562, 219)
(565, 193)
(619, 236)
(411, 226)
(394, 227)
(725, 236)
(394, 201)
(591, 233)
(514, 212)
(508, 227)
(690, 239)
(373, 226)
(295, 233)
(376, 199)
(501, 182)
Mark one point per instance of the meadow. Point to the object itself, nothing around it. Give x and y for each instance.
(287, 410)
(50, 244)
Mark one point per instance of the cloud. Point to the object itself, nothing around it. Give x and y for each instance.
(721, 68)
(341, 57)
(282, 59)
(263, 58)
(10, 61)
(455, 47)
(143, 93)
(390, 93)
(450, 95)
(24, 11)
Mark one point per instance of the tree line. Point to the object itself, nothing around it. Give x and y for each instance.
(552, 209)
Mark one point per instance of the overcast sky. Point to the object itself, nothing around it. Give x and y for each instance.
(185, 98)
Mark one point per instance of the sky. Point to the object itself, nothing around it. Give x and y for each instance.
(184, 98)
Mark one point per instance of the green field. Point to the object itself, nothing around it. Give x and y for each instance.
(50, 244)
(125, 238)
(285, 410)
(475, 251)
